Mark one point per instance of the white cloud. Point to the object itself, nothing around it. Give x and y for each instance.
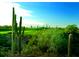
(20, 11)
(6, 0)
(6, 14)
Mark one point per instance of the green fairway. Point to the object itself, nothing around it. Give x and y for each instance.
(4, 32)
(27, 32)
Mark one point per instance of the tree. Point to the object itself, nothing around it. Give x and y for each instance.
(71, 28)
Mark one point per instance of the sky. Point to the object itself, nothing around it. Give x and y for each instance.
(52, 13)
(41, 13)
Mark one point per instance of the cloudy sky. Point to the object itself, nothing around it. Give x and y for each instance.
(41, 13)
(6, 14)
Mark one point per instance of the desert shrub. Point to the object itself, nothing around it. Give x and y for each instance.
(31, 49)
(50, 42)
(71, 28)
(5, 45)
(4, 51)
(5, 41)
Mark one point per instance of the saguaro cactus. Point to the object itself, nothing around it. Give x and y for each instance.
(16, 36)
(15, 25)
(14, 31)
(22, 44)
(12, 47)
(20, 34)
(69, 44)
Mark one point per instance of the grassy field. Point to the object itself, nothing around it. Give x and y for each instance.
(26, 32)
(4, 32)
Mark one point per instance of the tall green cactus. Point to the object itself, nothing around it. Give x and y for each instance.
(14, 31)
(22, 44)
(12, 47)
(20, 34)
(69, 44)
(15, 25)
(16, 36)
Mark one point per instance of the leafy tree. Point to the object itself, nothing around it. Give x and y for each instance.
(71, 28)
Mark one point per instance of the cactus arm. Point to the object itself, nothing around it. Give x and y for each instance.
(69, 44)
(12, 47)
(20, 27)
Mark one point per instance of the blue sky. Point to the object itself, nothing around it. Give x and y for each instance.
(54, 13)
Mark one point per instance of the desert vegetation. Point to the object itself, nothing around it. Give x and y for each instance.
(40, 41)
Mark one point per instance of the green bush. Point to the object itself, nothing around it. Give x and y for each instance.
(50, 42)
(71, 28)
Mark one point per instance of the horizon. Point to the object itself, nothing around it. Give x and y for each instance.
(57, 14)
